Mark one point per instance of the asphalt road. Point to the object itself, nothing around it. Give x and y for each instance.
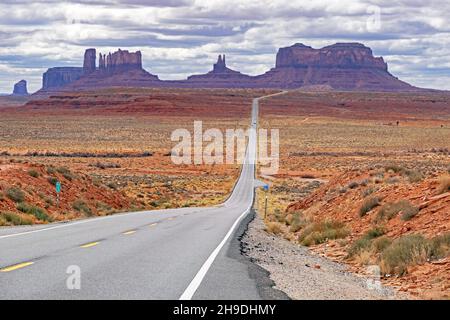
(184, 253)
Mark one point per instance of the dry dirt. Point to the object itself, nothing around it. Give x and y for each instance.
(115, 144)
(339, 149)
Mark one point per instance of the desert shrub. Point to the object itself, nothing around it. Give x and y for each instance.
(353, 185)
(51, 170)
(81, 206)
(390, 210)
(11, 218)
(66, 173)
(394, 168)
(404, 252)
(409, 212)
(112, 186)
(298, 221)
(273, 227)
(440, 246)
(320, 232)
(414, 175)
(381, 243)
(106, 165)
(365, 242)
(36, 211)
(444, 184)
(15, 194)
(33, 173)
(368, 205)
(52, 180)
(101, 206)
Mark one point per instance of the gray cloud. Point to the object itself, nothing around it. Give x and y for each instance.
(182, 37)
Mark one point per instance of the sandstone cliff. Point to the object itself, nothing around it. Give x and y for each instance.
(342, 66)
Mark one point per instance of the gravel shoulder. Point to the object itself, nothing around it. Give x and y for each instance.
(303, 275)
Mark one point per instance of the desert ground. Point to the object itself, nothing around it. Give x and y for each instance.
(364, 177)
(110, 149)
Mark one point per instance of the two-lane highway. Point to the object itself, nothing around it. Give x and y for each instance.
(163, 254)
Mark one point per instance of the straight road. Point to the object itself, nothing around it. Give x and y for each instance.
(163, 254)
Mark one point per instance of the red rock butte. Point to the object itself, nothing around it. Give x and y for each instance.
(342, 66)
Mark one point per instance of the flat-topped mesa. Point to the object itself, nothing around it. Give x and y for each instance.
(341, 55)
(120, 61)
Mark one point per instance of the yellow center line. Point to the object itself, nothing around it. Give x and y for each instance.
(129, 232)
(171, 218)
(17, 266)
(153, 224)
(88, 245)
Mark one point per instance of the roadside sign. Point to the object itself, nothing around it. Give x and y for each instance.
(58, 187)
(266, 187)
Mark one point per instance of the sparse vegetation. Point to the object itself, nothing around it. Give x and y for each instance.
(81, 206)
(39, 213)
(444, 184)
(15, 194)
(390, 210)
(403, 252)
(10, 218)
(273, 227)
(33, 173)
(365, 242)
(320, 232)
(368, 205)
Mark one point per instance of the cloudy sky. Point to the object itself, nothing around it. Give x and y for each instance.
(182, 37)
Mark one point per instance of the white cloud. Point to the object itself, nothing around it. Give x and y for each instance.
(181, 37)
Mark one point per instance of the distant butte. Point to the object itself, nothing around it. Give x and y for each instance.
(342, 66)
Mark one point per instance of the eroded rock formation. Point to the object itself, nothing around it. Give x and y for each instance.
(221, 76)
(20, 88)
(89, 64)
(342, 66)
(59, 77)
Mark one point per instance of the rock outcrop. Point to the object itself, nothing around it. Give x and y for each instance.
(59, 77)
(342, 66)
(221, 76)
(20, 88)
(120, 61)
(89, 64)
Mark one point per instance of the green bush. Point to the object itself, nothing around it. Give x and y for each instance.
(368, 205)
(414, 176)
(390, 210)
(15, 194)
(440, 246)
(320, 232)
(11, 218)
(365, 242)
(81, 206)
(298, 222)
(403, 252)
(33, 173)
(52, 180)
(66, 173)
(39, 213)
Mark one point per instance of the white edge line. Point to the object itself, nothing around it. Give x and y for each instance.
(195, 283)
(96, 219)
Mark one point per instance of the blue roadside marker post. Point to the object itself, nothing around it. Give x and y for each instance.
(58, 191)
(265, 188)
